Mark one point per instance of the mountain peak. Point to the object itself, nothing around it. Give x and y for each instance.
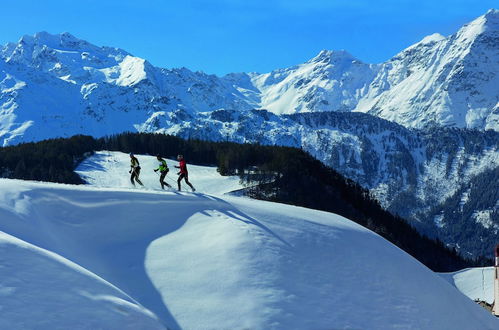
(492, 19)
(65, 42)
(426, 41)
(435, 37)
(492, 13)
(332, 56)
(52, 40)
(485, 23)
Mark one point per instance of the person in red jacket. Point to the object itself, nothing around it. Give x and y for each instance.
(183, 174)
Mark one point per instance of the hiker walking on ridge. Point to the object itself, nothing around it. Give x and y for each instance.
(183, 174)
(163, 169)
(134, 169)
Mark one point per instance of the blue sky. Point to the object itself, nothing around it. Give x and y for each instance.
(222, 36)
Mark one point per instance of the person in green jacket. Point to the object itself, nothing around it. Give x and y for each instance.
(163, 169)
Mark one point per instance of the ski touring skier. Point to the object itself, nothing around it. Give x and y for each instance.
(134, 169)
(163, 169)
(183, 174)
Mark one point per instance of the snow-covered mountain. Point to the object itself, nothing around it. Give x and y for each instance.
(115, 257)
(331, 81)
(442, 81)
(439, 81)
(59, 85)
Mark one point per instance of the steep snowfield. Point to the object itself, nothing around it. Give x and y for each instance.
(127, 256)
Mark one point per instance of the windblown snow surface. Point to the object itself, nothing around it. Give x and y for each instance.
(117, 257)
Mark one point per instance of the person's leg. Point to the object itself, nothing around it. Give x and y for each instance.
(187, 181)
(166, 183)
(137, 171)
(132, 177)
(180, 177)
(162, 180)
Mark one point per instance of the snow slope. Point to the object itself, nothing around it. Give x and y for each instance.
(42, 290)
(196, 261)
(476, 283)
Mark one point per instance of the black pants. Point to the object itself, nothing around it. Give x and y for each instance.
(186, 177)
(135, 175)
(161, 180)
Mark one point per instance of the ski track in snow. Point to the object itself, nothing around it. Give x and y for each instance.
(139, 258)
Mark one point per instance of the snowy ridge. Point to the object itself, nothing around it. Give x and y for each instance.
(196, 261)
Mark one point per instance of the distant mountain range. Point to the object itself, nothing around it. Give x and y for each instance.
(416, 130)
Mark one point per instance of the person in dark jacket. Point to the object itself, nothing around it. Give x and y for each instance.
(163, 169)
(134, 170)
(183, 174)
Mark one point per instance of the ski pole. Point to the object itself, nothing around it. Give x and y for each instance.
(170, 179)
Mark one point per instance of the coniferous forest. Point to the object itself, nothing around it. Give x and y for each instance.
(279, 174)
